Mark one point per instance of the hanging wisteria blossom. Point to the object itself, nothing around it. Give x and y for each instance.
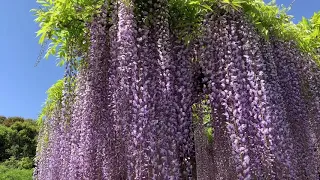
(146, 96)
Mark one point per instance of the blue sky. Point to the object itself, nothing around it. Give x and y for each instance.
(23, 86)
(301, 8)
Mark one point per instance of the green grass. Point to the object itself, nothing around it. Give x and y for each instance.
(15, 174)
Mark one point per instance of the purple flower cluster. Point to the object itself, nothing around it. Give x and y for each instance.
(262, 127)
(289, 62)
(132, 116)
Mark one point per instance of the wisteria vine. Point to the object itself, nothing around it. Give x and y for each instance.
(146, 104)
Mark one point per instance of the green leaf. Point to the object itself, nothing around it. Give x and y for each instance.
(226, 1)
(41, 2)
(61, 63)
(207, 7)
(42, 38)
(194, 3)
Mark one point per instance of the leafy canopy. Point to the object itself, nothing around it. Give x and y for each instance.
(63, 23)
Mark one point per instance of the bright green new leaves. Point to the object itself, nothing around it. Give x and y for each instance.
(310, 35)
(230, 5)
(54, 99)
(186, 17)
(62, 22)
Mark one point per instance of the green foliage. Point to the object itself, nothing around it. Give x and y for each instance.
(186, 17)
(207, 122)
(309, 37)
(12, 163)
(230, 5)
(15, 174)
(25, 163)
(204, 118)
(54, 99)
(25, 137)
(2, 118)
(19, 139)
(62, 22)
(11, 120)
(5, 137)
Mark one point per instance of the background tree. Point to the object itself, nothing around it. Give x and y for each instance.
(18, 139)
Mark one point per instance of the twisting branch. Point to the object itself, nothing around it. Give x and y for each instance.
(291, 4)
(42, 51)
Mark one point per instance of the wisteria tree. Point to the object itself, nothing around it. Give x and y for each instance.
(179, 89)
